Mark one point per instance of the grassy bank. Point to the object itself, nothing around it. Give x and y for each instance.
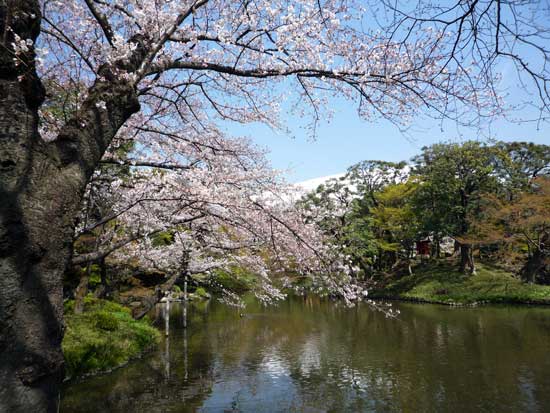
(440, 282)
(104, 336)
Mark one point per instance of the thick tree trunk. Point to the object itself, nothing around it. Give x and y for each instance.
(466, 250)
(103, 289)
(456, 248)
(149, 301)
(536, 264)
(467, 264)
(82, 290)
(41, 185)
(437, 247)
(32, 257)
(464, 257)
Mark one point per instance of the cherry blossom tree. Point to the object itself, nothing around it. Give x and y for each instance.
(484, 38)
(164, 71)
(219, 210)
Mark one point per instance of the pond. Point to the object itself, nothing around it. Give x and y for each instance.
(312, 355)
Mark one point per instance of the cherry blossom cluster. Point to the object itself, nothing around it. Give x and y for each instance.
(220, 206)
(196, 64)
(239, 61)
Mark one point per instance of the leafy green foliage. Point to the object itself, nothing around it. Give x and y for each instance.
(520, 162)
(162, 238)
(523, 224)
(201, 292)
(453, 178)
(478, 195)
(343, 209)
(395, 219)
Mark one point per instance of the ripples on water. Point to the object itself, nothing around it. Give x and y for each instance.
(308, 355)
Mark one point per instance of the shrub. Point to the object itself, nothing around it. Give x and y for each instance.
(104, 336)
(106, 321)
(201, 292)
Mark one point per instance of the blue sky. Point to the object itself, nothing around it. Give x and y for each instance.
(347, 139)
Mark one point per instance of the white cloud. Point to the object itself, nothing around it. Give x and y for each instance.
(311, 184)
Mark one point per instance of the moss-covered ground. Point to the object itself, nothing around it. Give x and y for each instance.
(238, 280)
(441, 282)
(104, 336)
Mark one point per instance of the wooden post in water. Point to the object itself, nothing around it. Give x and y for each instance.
(185, 298)
(167, 357)
(167, 316)
(185, 377)
(185, 301)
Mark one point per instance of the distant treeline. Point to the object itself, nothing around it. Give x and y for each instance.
(465, 200)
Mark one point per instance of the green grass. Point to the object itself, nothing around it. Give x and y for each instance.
(104, 336)
(201, 292)
(442, 283)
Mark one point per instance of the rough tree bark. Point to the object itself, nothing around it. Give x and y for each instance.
(103, 289)
(149, 301)
(82, 290)
(537, 262)
(466, 250)
(41, 185)
(467, 263)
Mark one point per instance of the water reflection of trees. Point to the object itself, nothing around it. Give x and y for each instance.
(431, 359)
(157, 382)
(314, 355)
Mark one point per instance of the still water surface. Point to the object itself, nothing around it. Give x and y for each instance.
(309, 355)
